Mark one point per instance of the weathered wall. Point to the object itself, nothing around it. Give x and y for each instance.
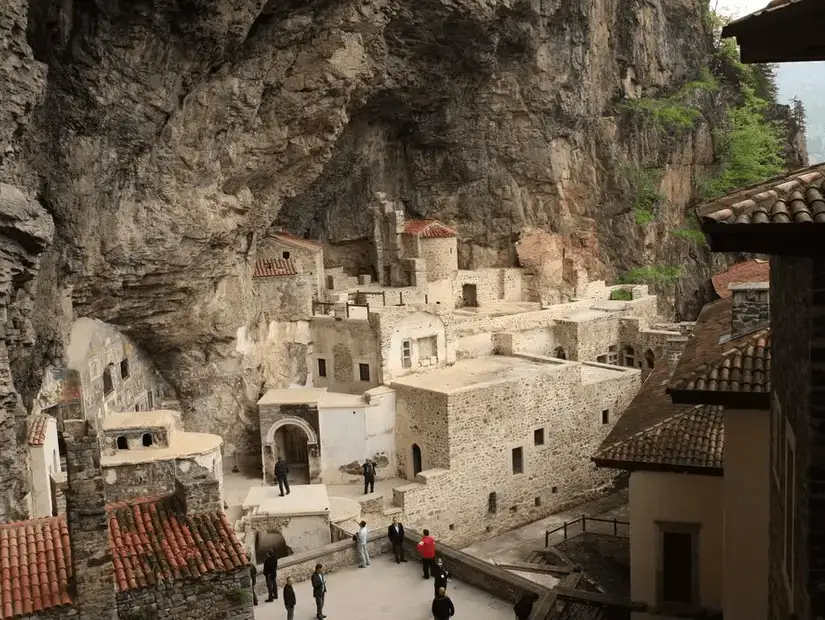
(441, 256)
(45, 462)
(467, 437)
(225, 596)
(96, 348)
(676, 498)
(345, 344)
(413, 327)
(150, 478)
(301, 534)
(303, 416)
(286, 298)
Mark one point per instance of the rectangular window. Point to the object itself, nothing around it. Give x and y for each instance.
(790, 507)
(538, 437)
(518, 461)
(427, 348)
(322, 367)
(677, 578)
(124, 369)
(492, 504)
(601, 359)
(605, 416)
(108, 385)
(364, 372)
(406, 354)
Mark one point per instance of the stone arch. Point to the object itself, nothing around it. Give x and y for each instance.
(313, 449)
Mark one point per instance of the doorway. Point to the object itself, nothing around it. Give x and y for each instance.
(469, 295)
(679, 570)
(291, 445)
(416, 456)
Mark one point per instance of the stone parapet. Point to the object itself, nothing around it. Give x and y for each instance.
(198, 493)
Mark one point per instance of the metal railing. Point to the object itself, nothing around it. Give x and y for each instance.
(583, 521)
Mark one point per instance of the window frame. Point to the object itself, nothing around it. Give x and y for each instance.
(322, 367)
(124, 365)
(361, 367)
(520, 451)
(605, 422)
(539, 433)
(108, 371)
(672, 527)
(406, 353)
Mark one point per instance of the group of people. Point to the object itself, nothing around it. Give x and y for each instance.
(433, 567)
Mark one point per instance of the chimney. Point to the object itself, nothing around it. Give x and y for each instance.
(750, 309)
(94, 576)
(198, 493)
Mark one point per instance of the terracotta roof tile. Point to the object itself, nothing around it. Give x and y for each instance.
(744, 366)
(274, 268)
(153, 541)
(703, 346)
(428, 228)
(796, 198)
(38, 425)
(740, 273)
(307, 244)
(693, 437)
(35, 566)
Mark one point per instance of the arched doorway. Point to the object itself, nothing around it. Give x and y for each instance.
(290, 443)
(416, 456)
(650, 358)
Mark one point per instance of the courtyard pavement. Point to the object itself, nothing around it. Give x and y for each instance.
(383, 591)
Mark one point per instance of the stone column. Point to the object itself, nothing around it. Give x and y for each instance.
(94, 577)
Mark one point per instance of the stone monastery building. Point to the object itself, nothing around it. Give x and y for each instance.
(483, 402)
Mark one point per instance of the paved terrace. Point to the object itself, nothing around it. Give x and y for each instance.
(383, 591)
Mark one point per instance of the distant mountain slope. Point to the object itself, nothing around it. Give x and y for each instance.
(806, 80)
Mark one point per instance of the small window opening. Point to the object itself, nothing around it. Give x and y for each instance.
(605, 416)
(492, 503)
(554, 490)
(137, 407)
(538, 437)
(124, 369)
(285, 255)
(147, 440)
(122, 444)
(537, 502)
(452, 526)
(513, 508)
(108, 384)
(518, 461)
(364, 372)
(322, 367)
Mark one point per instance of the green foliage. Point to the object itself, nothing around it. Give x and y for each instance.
(751, 147)
(621, 294)
(643, 187)
(238, 596)
(705, 82)
(691, 234)
(652, 275)
(643, 217)
(670, 113)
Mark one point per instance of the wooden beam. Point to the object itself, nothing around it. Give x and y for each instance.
(536, 568)
(597, 598)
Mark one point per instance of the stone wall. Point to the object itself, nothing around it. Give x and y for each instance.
(198, 492)
(97, 347)
(301, 533)
(152, 478)
(223, 596)
(750, 307)
(441, 256)
(555, 417)
(397, 325)
(134, 438)
(344, 344)
(286, 298)
(305, 417)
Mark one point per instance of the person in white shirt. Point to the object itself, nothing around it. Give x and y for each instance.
(361, 542)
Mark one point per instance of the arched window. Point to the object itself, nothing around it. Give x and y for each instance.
(650, 358)
(147, 440)
(122, 444)
(560, 353)
(416, 456)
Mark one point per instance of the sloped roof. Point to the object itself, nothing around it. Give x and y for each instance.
(428, 228)
(274, 268)
(38, 425)
(152, 541)
(36, 566)
(298, 242)
(740, 273)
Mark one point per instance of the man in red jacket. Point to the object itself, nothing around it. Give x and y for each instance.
(426, 549)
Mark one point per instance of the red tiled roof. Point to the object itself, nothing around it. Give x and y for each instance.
(38, 426)
(428, 228)
(740, 273)
(152, 541)
(36, 566)
(307, 244)
(274, 267)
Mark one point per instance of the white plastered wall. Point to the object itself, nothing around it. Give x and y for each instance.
(45, 461)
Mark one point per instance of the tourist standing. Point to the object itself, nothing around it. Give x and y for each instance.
(443, 608)
(426, 549)
(281, 473)
(369, 476)
(524, 607)
(289, 599)
(271, 574)
(395, 533)
(360, 539)
(319, 590)
(441, 576)
(253, 576)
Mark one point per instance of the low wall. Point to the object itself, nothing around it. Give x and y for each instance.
(478, 573)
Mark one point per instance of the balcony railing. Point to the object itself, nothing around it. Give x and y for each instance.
(582, 523)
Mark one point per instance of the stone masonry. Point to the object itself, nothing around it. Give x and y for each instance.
(751, 307)
(198, 492)
(94, 572)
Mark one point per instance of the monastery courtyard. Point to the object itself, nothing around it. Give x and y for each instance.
(383, 591)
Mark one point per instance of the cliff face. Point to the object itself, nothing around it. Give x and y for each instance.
(163, 137)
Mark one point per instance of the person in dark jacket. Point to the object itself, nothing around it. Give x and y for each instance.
(395, 533)
(319, 590)
(441, 576)
(253, 577)
(524, 607)
(281, 472)
(443, 608)
(369, 476)
(289, 599)
(271, 575)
